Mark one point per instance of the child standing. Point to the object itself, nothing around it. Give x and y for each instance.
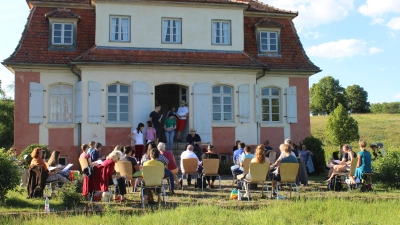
(151, 133)
(137, 137)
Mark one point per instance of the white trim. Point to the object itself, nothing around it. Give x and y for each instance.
(220, 36)
(63, 33)
(227, 124)
(165, 30)
(270, 97)
(60, 125)
(221, 95)
(120, 32)
(117, 125)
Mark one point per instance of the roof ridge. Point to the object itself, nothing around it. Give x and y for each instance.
(54, 13)
(85, 53)
(271, 7)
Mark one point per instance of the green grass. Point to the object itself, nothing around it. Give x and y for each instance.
(317, 211)
(383, 128)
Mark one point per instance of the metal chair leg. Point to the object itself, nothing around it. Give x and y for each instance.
(277, 191)
(219, 182)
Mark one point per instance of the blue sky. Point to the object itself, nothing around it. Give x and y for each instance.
(355, 41)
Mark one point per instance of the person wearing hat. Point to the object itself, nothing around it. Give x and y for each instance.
(210, 154)
(194, 139)
(182, 114)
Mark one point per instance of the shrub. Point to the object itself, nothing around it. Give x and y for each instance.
(315, 146)
(28, 150)
(10, 175)
(387, 170)
(69, 195)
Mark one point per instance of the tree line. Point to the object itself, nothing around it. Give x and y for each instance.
(327, 94)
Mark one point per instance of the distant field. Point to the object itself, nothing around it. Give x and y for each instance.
(383, 128)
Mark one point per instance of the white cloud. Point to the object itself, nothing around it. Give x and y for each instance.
(315, 12)
(376, 8)
(397, 96)
(314, 35)
(338, 49)
(394, 23)
(391, 34)
(374, 50)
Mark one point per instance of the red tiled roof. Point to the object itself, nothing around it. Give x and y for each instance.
(256, 6)
(265, 22)
(170, 57)
(63, 1)
(62, 13)
(33, 46)
(292, 55)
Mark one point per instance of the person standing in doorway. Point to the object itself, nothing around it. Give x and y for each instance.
(169, 126)
(183, 112)
(155, 118)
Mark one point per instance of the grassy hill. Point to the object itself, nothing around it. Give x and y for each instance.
(383, 128)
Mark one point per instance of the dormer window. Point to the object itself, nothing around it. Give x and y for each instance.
(268, 41)
(268, 37)
(62, 29)
(62, 33)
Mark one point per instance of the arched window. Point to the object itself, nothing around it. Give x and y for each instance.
(222, 100)
(118, 103)
(270, 103)
(61, 104)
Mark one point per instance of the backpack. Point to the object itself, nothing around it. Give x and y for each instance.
(335, 187)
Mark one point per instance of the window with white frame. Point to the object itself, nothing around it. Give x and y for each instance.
(270, 103)
(221, 32)
(171, 31)
(61, 104)
(63, 33)
(268, 41)
(120, 28)
(222, 101)
(118, 103)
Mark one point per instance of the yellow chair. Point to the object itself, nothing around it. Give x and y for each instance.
(153, 178)
(258, 174)
(189, 166)
(124, 168)
(210, 168)
(353, 166)
(246, 166)
(288, 172)
(84, 163)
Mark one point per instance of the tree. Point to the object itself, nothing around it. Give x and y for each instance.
(341, 128)
(356, 98)
(326, 95)
(10, 175)
(6, 120)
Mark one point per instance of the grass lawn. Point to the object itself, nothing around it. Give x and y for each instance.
(383, 128)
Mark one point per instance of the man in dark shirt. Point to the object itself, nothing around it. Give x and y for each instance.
(155, 118)
(236, 147)
(194, 139)
(129, 156)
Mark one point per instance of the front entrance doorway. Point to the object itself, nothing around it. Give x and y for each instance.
(168, 96)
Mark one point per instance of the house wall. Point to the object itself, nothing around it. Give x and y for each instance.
(301, 129)
(146, 25)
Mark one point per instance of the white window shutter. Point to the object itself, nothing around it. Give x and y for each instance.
(202, 110)
(142, 99)
(36, 95)
(257, 103)
(78, 102)
(291, 104)
(244, 103)
(94, 102)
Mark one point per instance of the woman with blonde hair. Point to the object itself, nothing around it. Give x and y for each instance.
(259, 157)
(364, 160)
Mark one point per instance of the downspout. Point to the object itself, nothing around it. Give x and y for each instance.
(257, 123)
(79, 124)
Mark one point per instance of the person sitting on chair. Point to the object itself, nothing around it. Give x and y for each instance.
(247, 155)
(286, 157)
(189, 154)
(210, 154)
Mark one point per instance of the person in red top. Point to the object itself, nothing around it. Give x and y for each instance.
(108, 171)
(171, 162)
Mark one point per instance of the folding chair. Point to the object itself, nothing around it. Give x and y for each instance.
(84, 163)
(124, 168)
(246, 165)
(153, 178)
(288, 172)
(189, 166)
(210, 168)
(353, 166)
(258, 173)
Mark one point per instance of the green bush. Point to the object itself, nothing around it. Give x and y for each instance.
(28, 150)
(10, 175)
(225, 168)
(70, 197)
(387, 170)
(315, 146)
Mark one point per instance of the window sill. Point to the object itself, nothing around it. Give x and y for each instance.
(270, 54)
(117, 125)
(60, 125)
(272, 124)
(223, 124)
